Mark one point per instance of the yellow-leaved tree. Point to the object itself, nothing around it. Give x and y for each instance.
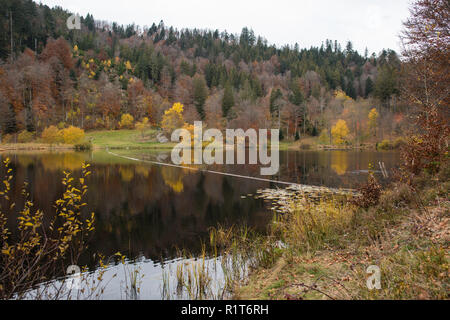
(373, 117)
(324, 137)
(51, 135)
(143, 125)
(340, 95)
(126, 121)
(340, 132)
(173, 118)
(73, 135)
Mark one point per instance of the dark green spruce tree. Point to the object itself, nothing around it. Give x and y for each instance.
(275, 95)
(200, 95)
(227, 100)
(369, 87)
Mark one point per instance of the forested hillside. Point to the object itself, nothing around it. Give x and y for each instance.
(90, 78)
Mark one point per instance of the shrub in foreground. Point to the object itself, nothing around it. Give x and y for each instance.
(370, 193)
(34, 250)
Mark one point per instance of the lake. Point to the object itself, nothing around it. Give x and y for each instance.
(150, 212)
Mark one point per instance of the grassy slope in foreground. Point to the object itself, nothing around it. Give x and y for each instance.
(329, 247)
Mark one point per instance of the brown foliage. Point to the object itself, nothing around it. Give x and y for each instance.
(370, 193)
(426, 85)
(426, 151)
(59, 49)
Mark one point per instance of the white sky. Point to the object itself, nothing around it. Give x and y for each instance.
(374, 24)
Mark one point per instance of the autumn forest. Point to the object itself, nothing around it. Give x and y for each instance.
(94, 194)
(90, 78)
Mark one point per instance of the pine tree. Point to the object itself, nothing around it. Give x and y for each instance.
(281, 135)
(228, 100)
(296, 96)
(275, 95)
(9, 121)
(200, 95)
(386, 83)
(369, 87)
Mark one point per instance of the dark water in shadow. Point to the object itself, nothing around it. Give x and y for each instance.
(149, 211)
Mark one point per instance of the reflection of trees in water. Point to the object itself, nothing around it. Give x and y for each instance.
(151, 218)
(213, 188)
(63, 161)
(340, 162)
(126, 173)
(142, 208)
(54, 161)
(173, 177)
(138, 209)
(42, 172)
(336, 168)
(142, 170)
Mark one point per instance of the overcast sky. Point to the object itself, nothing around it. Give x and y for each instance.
(374, 24)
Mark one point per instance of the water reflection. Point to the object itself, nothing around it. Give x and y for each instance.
(339, 162)
(148, 211)
(142, 209)
(337, 169)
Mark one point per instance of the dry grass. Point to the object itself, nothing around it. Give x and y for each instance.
(413, 263)
(328, 247)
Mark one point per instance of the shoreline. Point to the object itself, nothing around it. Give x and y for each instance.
(132, 139)
(289, 146)
(34, 147)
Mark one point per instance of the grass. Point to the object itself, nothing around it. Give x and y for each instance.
(305, 143)
(313, 143)
(134, 139)
(113, 139)
(122, 139)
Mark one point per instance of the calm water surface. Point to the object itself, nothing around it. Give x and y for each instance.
(148, 211)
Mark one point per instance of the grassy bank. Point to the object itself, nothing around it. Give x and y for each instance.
(135, 139)
(313, 143)
(322, 250)
(114, 139)
(34, 146)
(122, 139)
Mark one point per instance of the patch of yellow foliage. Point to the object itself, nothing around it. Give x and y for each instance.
(340, 95)
(340, 132)
(173, 118)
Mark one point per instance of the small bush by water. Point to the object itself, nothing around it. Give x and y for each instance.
(84, 146)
